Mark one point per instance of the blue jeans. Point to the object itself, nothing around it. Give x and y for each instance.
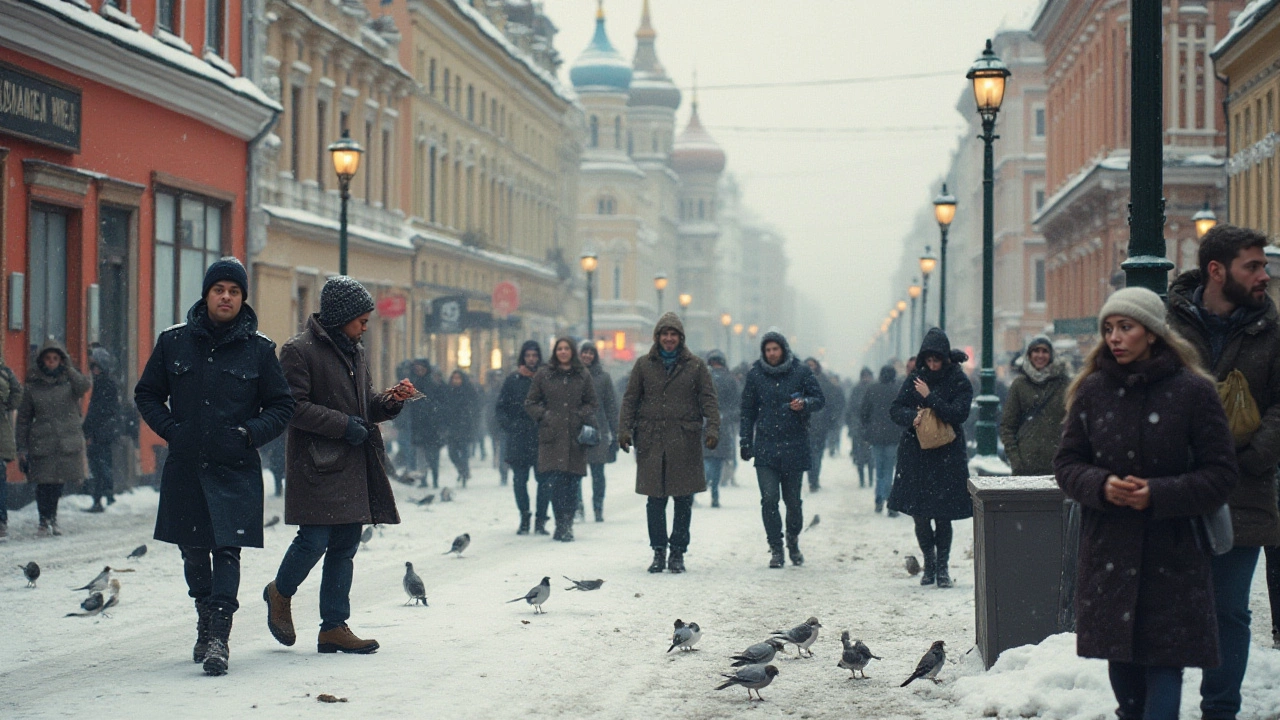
(1232, 578)
(1146, 692)
(338, 545)
(712, 467)
(782, 485)
(884, 457)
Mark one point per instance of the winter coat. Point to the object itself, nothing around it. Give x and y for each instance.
(1031, 425)
(520, 432)
(1253, 348)
(10, 397)
(48, 428)
(606, 417)
(331, 481)
(827, 420)
(461, 412)
(195, 390)
(776, 435)
(729, 402)
(853, 420)
(1144, 591)
(561, 401)
(877, 427)
(933, 483)
(418, 424)
(102, 423)
(663, 415)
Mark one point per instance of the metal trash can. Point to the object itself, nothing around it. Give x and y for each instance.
(1018, 535)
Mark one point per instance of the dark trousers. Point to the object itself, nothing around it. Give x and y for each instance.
(713, 469)
(520, 483)
(4, 493)
(597, 487)
(338, 544)
(431, 455)
(460, 456)
(781, 485)
(815, 465)
(1232, 578)
(929, 538)
(1146, 692)
(1273, 588)
(100, 463)
(47, 496)
(565, 490)
(213, 576)
(656, 509)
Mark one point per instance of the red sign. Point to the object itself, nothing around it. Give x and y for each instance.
(392, 306)
(506, 298)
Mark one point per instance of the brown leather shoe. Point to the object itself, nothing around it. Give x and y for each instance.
(341, 639)
(279, 615)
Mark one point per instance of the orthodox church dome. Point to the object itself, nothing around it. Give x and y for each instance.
(600, 65)
(695, 150)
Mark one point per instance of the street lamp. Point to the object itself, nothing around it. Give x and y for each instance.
(685, 301)
(944, 211)
(927, 264)
(726, 320)
(988, 75)
(737, 330)
(660, 284)
(897, 327)
(914, 291)
(589, 263)
(345, 153)
(1205, 220)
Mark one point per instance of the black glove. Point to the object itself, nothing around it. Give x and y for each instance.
(745, 453)
(356, 433)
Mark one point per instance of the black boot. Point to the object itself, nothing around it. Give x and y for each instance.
(524, 524)
(204, 615)
(598, 506)
(793, 549)
(776, 559)
(540, 526)
(929, 576)
(566, 534)
(944, 574)
(659, 560)
(215, 660)
(675, 563)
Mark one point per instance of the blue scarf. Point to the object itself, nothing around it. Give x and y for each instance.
(669, 358)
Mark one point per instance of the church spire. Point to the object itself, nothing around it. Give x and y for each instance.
(646, 31)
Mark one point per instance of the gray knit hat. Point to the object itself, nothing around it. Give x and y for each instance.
(1139, 304)
(342, 300)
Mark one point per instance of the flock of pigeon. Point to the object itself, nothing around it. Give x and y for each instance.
(95, 603)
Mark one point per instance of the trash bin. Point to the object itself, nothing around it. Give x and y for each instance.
(1018, 541)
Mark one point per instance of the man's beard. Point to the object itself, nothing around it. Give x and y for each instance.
(1238, 294)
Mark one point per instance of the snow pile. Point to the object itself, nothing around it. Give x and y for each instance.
(1248, 17)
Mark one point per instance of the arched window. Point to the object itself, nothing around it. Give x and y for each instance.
(702, 210)
(606, 205)
(595, 131)
(617, 132)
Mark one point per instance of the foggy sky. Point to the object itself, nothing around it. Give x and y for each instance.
(844, 201)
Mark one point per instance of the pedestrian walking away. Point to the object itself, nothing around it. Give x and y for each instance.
(214, 391)
(520, 433)
(49, 435)
(336, 463)
(882, 433)
(670, 413)
(932, 485)
(462, 409)
(1031, 424)
(562, 399)
(778, 400)
(821, 421)
(1224, 311)
(861, 449)
(101, 428)
(1146, 450)
(606, 451)
(10, 401)
(729, 400)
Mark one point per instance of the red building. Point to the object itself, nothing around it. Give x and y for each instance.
(125, 136)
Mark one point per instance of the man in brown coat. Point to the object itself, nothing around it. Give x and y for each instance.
(668, 397)
(336, 463)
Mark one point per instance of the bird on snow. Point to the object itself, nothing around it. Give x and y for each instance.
(583, 584)
(685, 636)
(413, 586)
(103, 607)
(92, 603)
(760, 653)
(802, 636)
(274, 521)
(816, 519)
(751, 677)
(930, 665)
(446, 495)
(137, 553)
(460, 543)
(537, 595)
(912, 565)
(856, 656)
(99, 583)
(426, 500)
(32, 572)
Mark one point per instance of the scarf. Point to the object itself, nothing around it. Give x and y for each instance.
(344, 343)
(669, 359)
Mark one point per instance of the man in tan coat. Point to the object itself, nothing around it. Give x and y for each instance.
(669, 398)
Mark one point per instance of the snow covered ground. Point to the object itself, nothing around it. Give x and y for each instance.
(600, 654)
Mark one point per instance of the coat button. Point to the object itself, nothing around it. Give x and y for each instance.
(206, 402)
(204, 464)
(210, 358)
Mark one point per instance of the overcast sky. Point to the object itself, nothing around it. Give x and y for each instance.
(846, 199)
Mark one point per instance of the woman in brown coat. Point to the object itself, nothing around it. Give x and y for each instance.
(49, 433)
(561, 400)
(1146, 450)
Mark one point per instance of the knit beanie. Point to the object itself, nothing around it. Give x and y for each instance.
(227, 268)
(1139, 304)
(342, 300)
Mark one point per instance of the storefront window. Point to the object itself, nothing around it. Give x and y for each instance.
(188, 240)
(47, 301)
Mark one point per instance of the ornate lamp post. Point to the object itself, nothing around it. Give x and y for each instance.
(1205, 220)
(989, 75)
(927, 265)
(589, 264)
(944, 211)
(660, 284)
(345, 153)
(901, 308)
(914, 292)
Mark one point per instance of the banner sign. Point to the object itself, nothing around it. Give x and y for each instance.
(39, 109)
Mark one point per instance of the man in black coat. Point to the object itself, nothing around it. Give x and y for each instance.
(101, 428)
(881, 433)
(778, 398)
(213, 389)
(520, 433)
(861, 451)
(729, 398)
(821, 421)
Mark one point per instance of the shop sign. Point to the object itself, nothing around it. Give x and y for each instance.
(39, 109)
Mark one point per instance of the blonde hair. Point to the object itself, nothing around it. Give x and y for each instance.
(1186, 354)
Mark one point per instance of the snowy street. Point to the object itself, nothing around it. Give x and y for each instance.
(598, 654)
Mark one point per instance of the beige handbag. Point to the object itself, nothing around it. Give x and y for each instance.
(932, 432)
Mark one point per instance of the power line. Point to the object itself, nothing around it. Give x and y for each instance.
(830, 81)
(836, 130)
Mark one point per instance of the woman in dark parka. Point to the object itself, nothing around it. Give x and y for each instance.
(606, 418)
(1145, 451)
(461, 418)
(932, 486)
(561, 400)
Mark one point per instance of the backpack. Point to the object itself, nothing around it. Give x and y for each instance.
(15, 388)
(1242, 411)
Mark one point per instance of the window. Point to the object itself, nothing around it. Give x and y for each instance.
(368, 148)
(446, 86)
(617, 281)
(1039, 199)
(606, 205)
(295, 129)
(702, 210)
(493, 115)
(471, 103)
(457, 93)
(322, 146)
(431, 77)
(304, 305)
(167, 15)
(431, 184)
(484, 104)
(386, 167)
(595, 131)
(47, 264)
(188, 239)
(1039, 122)
(617, 132)
(1040, 285)
(343, 122)
(214, 26)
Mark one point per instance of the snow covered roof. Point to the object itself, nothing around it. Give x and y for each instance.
(306, 217)
(1248, 17)
(480, 21)
(515, 262)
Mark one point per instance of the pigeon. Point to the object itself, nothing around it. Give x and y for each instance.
(460, 543)
(816, 519)
(426, 500)
(912, 565)
(802, 636)
(101, 608)
(92, 603)
(366, 536)
(99, 583)
(760, 653)
(32, 571)
(584, 585)
(930, 665)
(413, 586)
(685, 636)
(446, 495)
(537, 595)
(274, 521)
(137, 553)
(856, 656)
(751, 677)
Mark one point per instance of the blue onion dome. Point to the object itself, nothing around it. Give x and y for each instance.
(600, 66)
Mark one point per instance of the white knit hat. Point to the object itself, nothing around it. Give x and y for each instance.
(1139, 304)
